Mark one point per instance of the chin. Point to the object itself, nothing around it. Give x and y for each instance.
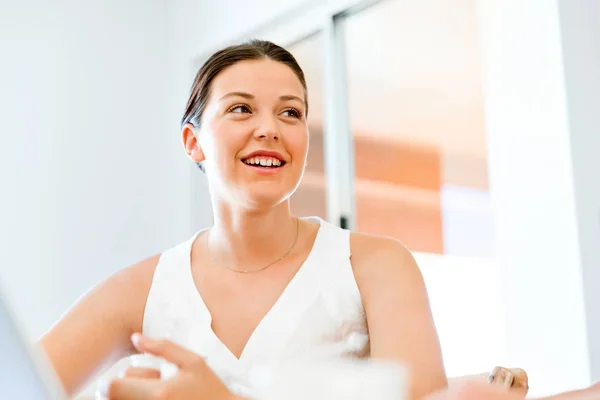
(266, 198)
(264, 202)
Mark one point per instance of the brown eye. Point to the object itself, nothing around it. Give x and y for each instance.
(292, 112)
(239, 109)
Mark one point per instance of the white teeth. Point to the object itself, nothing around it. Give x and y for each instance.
(264, 162)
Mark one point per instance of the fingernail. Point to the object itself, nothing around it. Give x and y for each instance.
(135, 339)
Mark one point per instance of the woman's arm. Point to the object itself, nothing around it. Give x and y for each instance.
(97, 329)
(589, 393)
(479, 391)
(398, 314)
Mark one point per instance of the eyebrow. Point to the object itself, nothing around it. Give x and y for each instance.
(291, 97)
(250, 96)
(238, 94)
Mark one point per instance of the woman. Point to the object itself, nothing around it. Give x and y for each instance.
(261, 286)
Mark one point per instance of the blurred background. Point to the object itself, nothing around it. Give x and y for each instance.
(467, 129)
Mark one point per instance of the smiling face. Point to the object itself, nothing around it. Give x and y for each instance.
(253, 139)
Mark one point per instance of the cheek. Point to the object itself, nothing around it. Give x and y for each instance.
(298, 144)
(227, 139)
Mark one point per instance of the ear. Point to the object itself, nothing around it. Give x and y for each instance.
(191, 144)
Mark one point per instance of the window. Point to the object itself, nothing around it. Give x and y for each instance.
(310, 198)
(416, 112)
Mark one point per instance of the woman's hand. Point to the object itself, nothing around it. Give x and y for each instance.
(195, 380)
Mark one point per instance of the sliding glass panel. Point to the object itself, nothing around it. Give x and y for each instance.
(310, 198)
(417, 121)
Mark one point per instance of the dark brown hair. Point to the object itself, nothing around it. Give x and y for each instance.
(222, 59)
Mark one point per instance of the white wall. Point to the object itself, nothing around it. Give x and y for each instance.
(542, 91)
(88, 154)
(581, 46)
(468, 310)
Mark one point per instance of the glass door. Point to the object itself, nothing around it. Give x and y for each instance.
(416, 113)
(311, 199)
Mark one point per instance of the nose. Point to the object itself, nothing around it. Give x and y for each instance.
(267, 129)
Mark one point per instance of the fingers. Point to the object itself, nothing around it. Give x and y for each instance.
(502, 377)
(521, 380)
(166, 349)
(493, 374)
(139, 372)
(510, 378)
(134, 389)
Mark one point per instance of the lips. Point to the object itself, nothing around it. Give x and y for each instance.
(265, 153)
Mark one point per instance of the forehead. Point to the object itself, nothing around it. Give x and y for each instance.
(258, 77)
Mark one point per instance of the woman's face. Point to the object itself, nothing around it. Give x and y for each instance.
(253, 139)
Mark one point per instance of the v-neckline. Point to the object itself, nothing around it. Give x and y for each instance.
(285, 299)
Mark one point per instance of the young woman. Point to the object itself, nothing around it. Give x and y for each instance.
(261, 286)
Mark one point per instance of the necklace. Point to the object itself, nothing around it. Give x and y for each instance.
(245, 271)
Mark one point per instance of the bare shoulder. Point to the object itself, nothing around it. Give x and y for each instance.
(377, 257)
(133, 281)
(122, 294)
(396, 305)
(366, 246)
(97, 328)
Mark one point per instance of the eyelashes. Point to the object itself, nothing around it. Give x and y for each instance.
(245, 109)
(295, 113)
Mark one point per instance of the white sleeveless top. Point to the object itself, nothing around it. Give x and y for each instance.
(319, 314)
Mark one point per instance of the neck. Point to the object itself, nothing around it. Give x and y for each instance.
(249, 239)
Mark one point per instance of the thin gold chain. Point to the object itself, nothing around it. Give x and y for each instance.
(245, 271)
